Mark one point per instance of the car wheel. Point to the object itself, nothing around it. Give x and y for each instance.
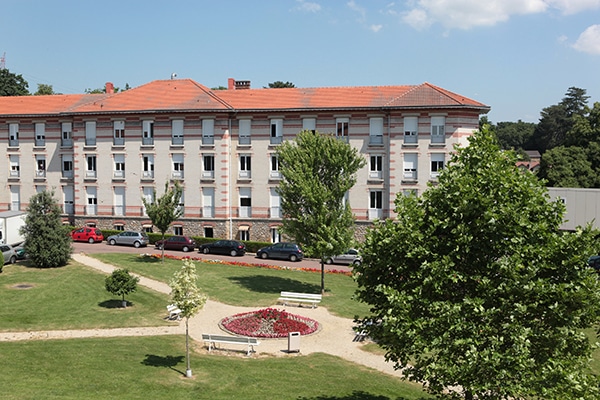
(136, 244)
(161, 246)
(185, 249)
(206, 250)
(357, 263)
(329, 261)
(13, 259)
(91, 240)
(112, 242)
(293, 258)
(233, 253)
(264, 256)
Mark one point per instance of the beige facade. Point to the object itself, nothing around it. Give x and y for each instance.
(101, 163)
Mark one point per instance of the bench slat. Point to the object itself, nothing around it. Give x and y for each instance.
(214, 339)
(300, 298)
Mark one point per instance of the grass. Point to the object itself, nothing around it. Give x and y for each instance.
(153, 367)
(72, 297)
(249, 286)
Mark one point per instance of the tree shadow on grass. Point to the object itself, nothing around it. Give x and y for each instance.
(274, 284)
(147, 260)
(357, 395)
(170, 362)
(114, 303)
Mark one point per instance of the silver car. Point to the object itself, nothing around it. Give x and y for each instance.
(351, 257)
(129, 238)
(10, 256)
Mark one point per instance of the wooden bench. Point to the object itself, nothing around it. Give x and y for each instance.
(212, 340)
(300, 298)
(174, 312)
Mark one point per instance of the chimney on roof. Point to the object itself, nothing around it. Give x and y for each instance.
(232, 84)
(109, 88)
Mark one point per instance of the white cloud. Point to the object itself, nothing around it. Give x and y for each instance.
(466, 14)
(376, 28)
(589, 40)
(308, 6)
(360, 10)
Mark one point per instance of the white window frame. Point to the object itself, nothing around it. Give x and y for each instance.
(438, 130)
(40, 166)
(15, 197)
(119, 200)
(245, 166)
(208, 202)
(438, 162)
(376, 130)
(119, 164)
(68, 199)
(91, 200)
(40, 134)
(411, 130)
(15, 166)
(375, 204)
(177, 132)
(376, 166)
(410, 165)
(274, 203)
(148, 195)
(91, 167)
(309, 124)
(245, 198)
(342, 126)
(90, 133)
(148, 166)
(118, 133)
(148, 132)
(245, 131)
(67, 165)
(276, 131)
(208, 166)
(208, 131)
(66, 139)
(177, 162)
(274, 167)
(13, 135)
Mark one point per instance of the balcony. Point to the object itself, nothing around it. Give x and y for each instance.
(118, 141)
(119, 210)
(245, 175)
(67, 174)
(208, 212)
(90, 141)
(90, 174)
(177, 140)
(40, 173)
(275, 140)
(208, 140)
(15, 173)
(245, 212)
(375, 213)
(66, 143)
(177, 174)
(147, 141)
(378, 175)
(376, 140)
(244, 141)
(68, 208)
(91, 209)
(275, 175)
(148, 174)
(13, 143)
(40, 142)
(119, 174)
(275, 212)
(410, 175)
(208, 174)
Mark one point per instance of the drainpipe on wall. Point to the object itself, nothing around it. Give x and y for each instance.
(229, 210)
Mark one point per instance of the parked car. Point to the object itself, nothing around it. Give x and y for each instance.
(594, 262)
(129, 238)
(182, 243)
(230, 247)
(351, 257)
(87, 234)
(282, 250)
(20, 251)
(10, 257)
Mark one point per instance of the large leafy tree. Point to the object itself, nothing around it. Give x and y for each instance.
(188, 298)
(164, 210)
(317, 172)
(281, 84)
(44, 89)
(12, 84)
(568, 167)
(474, 288)
(47, 240)
(121, 283)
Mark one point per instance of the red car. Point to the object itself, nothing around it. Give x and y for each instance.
(183, 243)
(87, 234)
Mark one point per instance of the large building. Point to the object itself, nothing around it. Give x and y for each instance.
(103, 153)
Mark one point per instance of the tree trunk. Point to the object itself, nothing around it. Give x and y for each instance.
(188, 371)
(322, 276)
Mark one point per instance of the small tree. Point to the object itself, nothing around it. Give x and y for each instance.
(47, 240)
(121, 283)
(187, 297)
(164, 210)
(318, 171)
(475, 287)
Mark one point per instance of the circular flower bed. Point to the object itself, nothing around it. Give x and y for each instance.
(268, 323)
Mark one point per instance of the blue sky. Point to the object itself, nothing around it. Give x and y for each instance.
(517, 56)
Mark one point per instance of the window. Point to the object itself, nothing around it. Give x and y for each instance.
(68, 199)
(40, 162)
(245, 167)
(208, 202)
(178, 230)
(341, 128)
(148, 133)
(244, 233)
(208, 131)
(245, 130)
(40, 188)
(177, 172)
(91, 200)
(181, 204)
(90, 166)
(119, 133)
(376, 167)
(409, 192)
(148, 195)
(275, 235)
(245, 210)
(67, 166)
(40, 134)
(13, 134)
(208, 166)
(90, 133)
(208, 231)
(119, 227)
(437, 164)
(410, 166)
(276, 131)
(147, 228)
(375, 204)
(275, 201)
(376, 130)
(438, 130)
(119, 199)
(67, 134)
(309, 124)
(15, 168)
(177, 132)
(15, 198)
(148, 166)
(119, 171)
(274, 173)
(411, 125)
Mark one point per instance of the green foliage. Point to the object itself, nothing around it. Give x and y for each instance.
(164, 210)
(318, 170)
(44, 89)
(12, 84)
(568, 167)
(121, 283)
(47, 240)
(514, 135)
(474, 286)
(280, 84)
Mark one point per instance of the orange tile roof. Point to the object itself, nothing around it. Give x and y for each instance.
(186, 94)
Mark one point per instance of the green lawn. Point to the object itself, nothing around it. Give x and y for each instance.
(71, 297)
(153, 367)
(249, 286)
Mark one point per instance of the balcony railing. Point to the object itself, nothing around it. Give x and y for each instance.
(177, 174)
(118, 141)
(375, 139)
(14, 173)
(148, 141)
(119, 210)
(148, 174)
(119, 174)
(275, 212)
(375, 213)
(177, 140)
(208, 212)
(67, 174)
(275, 175)
(40, 173)
(245, 174)
(91, 209)
(90, 141)
(90, 174)
(245, 212)
(66, 142)
(410, 175)
(375, 174)
(68, 208)
(40, 142)
(13, 142)
(208, 174)
(244, 140)
(276, 139)
(208, 140)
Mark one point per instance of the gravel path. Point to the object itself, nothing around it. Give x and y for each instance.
(335, 336)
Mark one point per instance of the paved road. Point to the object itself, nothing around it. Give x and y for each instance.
(249, 258)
